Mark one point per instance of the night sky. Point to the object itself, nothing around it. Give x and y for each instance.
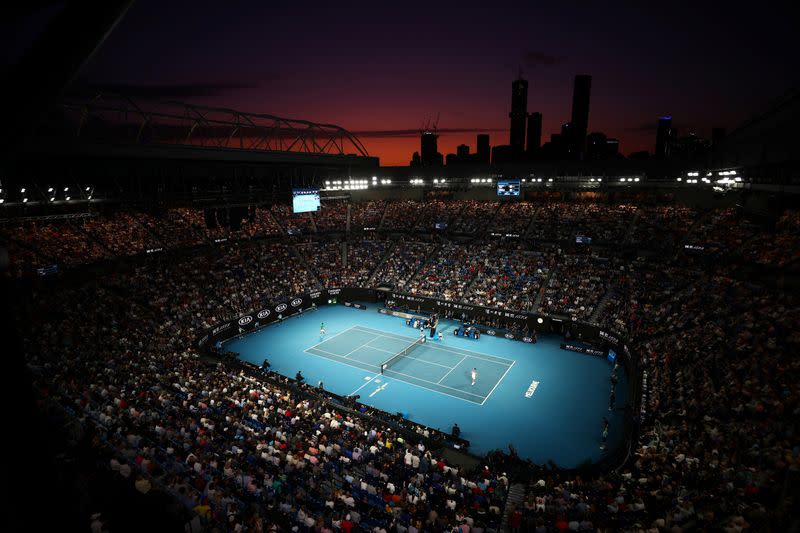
(381, 71)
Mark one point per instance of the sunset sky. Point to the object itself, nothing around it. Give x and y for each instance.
(382, 69)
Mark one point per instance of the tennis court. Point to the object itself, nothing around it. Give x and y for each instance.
(431, 365)
(549, 402)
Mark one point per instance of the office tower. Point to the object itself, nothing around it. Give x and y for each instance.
(596, 145)
(462, 151)
(566, 148)
(484, 152)
(663, 138)
(429, 150)
(534, 132)
(518, 114)
(580, 114)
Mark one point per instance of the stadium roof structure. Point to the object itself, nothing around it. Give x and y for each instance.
(115, 125)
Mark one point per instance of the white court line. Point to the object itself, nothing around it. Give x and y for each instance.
(365, 384)
(329, 338)
(408, 356)
(378, 366)
(432, 382)
(462, 360)
(407, 375)
(470, 353)
(376, 391)
(498, 383)
(339, 355)
(400, 380)
(355, 349)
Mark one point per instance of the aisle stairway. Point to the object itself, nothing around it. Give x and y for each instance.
(598, 310)
(516, 495)
(389, 251)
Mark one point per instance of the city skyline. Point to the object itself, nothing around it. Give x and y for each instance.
(380, 72)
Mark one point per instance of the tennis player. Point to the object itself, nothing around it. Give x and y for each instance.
(322, 329)
(474, 375)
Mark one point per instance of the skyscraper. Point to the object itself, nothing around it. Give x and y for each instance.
(429, 149)
(484, 152)
(534, 132)
(518, 114)
(580, 114)
(663, 137)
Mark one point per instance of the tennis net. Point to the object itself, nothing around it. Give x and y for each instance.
(404, 352)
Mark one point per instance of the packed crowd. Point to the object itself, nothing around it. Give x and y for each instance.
(402, 215)
(511, 279)
(77, 241)
(367, 214)
(216, 285)
(238, 451)
(450, 271)
(437, 212)
(326, 261)
(718, 447)
(332, 216)
(404, 261)
(291, 222)
(579, 283)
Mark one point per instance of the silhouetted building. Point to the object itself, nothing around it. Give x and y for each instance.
(461, 157)
(689, 147)
(534, 140)
(717, 136)
(504, 154)
(580, 114)
(429, 150)
(484, 151)
(639, 156)
(518, 114)
(663, 138)
(596, 145)
(567, 145)
(415, 160)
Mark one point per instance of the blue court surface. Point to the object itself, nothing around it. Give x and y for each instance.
(548, 402)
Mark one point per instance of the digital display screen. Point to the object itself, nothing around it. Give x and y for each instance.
(583, 239)
(508, 188)
(440, 225)
(305, 200)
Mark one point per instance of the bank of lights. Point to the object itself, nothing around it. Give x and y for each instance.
(417, 181)
(347, 185)
(442, 181)
(629, 179)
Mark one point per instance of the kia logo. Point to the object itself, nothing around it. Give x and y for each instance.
(527, 339)
(509, 336)
(263, 313)
(281, 308)
(491, 332)
(245, 320)
(296, 302)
